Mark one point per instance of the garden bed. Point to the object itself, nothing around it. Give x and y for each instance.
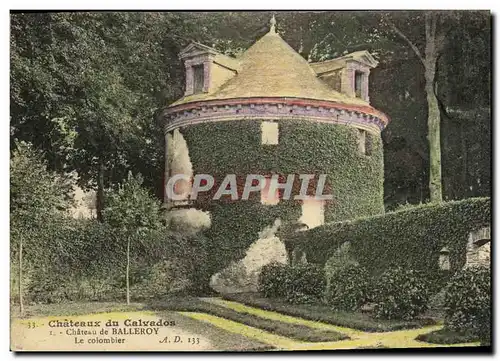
(447, 337)
(322, 313)
(293, 331)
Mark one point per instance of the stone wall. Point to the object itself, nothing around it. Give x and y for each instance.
(243, 275)
(479, 248)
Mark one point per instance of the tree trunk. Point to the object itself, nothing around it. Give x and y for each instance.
(21, 306)
(433, 112)
(433, 45)
(434, 135)
(166, 201)
(463, 146)
(128, 270)
(100, 190)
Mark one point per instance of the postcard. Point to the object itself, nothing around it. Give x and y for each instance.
(250, 180)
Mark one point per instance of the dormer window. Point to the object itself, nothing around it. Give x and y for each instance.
(348, 74)
(206, 69)
(198, 79)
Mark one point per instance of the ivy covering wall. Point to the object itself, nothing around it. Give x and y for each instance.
(410, 237)
(234, 147)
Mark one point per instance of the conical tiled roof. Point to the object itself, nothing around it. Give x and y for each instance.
(271, 68)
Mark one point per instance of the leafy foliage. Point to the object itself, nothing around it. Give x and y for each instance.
(304, 147)
(79, 266)
(39, 200)
(132, 211)
(132, 208)
(401, 294)
(86, 87)
(73, 263)
(273, 280)
(302, 283)
(306, 283)
(447, 337)
(35, 191)
(66, 259)
(468, 303)
(410, 238)
(164, 278)
(108, 74)
(348, 287)
(325, 314)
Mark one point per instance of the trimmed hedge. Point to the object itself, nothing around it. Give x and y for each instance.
(410, 238)
(234, 147)
(84, 260)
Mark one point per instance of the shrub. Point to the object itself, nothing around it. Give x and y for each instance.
(348, 287)
(468, 303)
(165, 278)
(235, 276)
(74, 263)
(340, 258)
(303, 283)
(447, 337)
(273, 280)
(299, 298)
(401, 294)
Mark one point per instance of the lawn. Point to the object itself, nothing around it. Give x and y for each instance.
(187, 304)
(230, 326)
(317, 312)
(215, 338)
(73, 309)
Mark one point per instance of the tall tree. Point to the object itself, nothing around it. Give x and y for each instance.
(433, 44)
(134, 212)
(63, 64)
(37, 197)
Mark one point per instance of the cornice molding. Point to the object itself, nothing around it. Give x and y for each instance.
(363, 117)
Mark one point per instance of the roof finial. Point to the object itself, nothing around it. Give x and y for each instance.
(272, 29)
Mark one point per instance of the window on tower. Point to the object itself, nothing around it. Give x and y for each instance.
(270, 133)
(266, 196)
(198, 78)
(365, 142)
(313, 213)
(362, 141)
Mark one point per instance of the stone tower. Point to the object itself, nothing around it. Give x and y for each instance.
(271, 112)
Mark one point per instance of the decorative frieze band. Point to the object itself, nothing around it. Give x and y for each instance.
(325, 113)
